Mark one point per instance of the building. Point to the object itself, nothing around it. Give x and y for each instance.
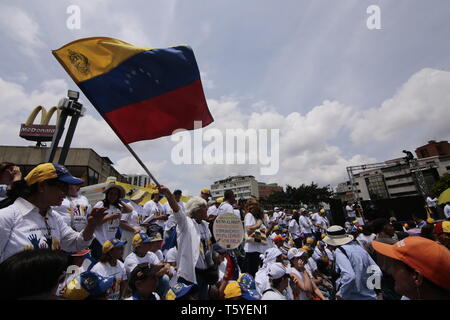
(140, 180)
(244, 187)
(395, 178)
(266, 190)
(433, 148)
(81, 162)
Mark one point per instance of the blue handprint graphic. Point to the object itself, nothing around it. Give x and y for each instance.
(34, 241)
(48, 240)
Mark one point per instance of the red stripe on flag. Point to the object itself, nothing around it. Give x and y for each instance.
(160, 116)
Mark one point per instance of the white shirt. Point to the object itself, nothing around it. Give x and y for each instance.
(305, 224)
(108, 229)
(118, 272)
(302, 295)
(273, 294)
(74, 211)
(447, 211)
(155, 209)
(249, 221)
(132, 260)
(212, 211)
(225, 207)
(365, 241)
(170, 223)
(189, 244)
(431, 202)
(137, 216)
(350, 211)
(22, 227)
(294, 229)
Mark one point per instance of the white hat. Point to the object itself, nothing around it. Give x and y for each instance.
(271, 255)
(336, 236)
(294, 253)
(277, 270)
(171, 255)
(276, 208)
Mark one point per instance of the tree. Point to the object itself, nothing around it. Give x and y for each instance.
(441, 185)
(310, 194)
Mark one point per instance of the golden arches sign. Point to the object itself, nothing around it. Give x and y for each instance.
(42, 131)
(45, 115)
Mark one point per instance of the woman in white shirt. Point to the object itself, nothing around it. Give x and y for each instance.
(30, 222)
(111, 221)
(295, 230)
(111, 266)
(279, 281)
(194, 243)
(131, 222)
(256, 228)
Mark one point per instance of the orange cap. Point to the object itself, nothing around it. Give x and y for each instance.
(428, 257)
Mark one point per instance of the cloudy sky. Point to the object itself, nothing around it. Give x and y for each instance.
(339, 93)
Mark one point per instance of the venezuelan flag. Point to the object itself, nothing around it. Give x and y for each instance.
(143, 93)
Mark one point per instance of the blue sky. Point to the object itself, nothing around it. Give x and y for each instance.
(340, 94)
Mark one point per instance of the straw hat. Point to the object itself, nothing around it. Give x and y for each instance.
(336, 236)
(137, 194)
(112, 185)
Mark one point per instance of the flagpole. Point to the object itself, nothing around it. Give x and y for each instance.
(142, 164)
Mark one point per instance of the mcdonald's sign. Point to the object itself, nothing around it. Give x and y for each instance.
(43, 131)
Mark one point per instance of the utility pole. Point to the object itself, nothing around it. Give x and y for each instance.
(69, 108)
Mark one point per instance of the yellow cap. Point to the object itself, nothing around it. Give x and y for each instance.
(309, 240)
(205, 190)
(430, 220)
(219, 200)
(232, 290)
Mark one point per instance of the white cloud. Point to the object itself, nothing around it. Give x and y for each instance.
(419, 110)
(129, 165)
(21, 28)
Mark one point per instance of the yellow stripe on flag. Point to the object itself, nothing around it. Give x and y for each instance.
(87, 58)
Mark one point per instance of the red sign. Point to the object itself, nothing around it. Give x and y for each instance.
(36, 132)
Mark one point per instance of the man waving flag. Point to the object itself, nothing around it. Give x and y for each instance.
(143, 93)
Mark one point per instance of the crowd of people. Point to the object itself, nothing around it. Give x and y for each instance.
(54, 244)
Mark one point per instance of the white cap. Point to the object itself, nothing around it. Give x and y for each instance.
(294, 253)
(277, 270)
(276, 208)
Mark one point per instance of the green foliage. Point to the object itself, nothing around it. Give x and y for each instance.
(442, 185)
(309, 194)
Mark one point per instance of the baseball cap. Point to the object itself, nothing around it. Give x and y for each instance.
(277, 270)
(137, 193)
(111, 244)
(87, 284)
(219, 200)
(178, 290)
(177, 192)
(294, 253)
(309, 240)
(140, 238)
(248, 287)
(322, 211)
(276, 208)
(278, 238)
(80, 253)
(428, 257)
(47, 171)
(206, 191)
(232, 290)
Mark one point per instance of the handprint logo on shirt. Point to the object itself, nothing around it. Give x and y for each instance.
(34, 240)
(48, 240)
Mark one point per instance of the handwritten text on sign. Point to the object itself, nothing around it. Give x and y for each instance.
(228, 231)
